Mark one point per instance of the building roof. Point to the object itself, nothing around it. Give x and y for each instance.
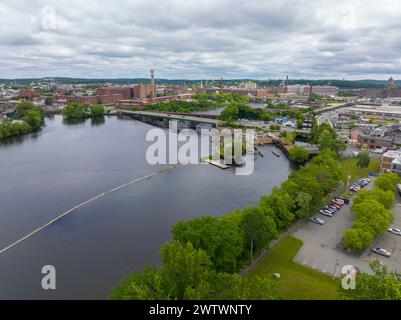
(393, 154)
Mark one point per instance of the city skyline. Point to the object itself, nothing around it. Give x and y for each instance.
(203, 40)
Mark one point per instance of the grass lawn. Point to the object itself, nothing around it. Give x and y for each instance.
(349, 167)
(297, 282)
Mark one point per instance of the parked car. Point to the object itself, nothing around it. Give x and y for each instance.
(326, 213)
(335, 204)
(339, 201)
(382, 252)
(354, 188)
(346, 200)
(395, 231)
(317, 220)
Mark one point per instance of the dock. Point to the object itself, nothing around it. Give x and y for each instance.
(217, 164)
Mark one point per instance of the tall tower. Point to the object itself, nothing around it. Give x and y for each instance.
(286, 85)
(390, 87)
(152, 83)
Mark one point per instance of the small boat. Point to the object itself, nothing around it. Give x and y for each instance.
(276, 153)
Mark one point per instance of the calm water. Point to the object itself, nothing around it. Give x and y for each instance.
(63, 165)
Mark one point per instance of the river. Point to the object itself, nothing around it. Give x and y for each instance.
(46, 173)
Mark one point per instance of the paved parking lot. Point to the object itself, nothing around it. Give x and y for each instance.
(320, 250)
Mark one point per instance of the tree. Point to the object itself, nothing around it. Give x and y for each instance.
(298, 154)
(97, 110)
(386, 198)
(358, 239)
(372, 215)
(258, 229)
(144, 285)
(326, 141)
(303, 201)
(387, 181)
(363, 160)
(381, 285)
(74, 110)
(281, 204)
(48, 101)
(184, 269)
(220, 238)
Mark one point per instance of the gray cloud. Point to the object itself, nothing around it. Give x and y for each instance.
(201, 39)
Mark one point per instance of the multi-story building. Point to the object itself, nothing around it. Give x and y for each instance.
(391, 162)
(142, 91)
(319, 90)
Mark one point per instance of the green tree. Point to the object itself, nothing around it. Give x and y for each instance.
(363, 160)
(281, 205)
(74, 110)
(387, 181)
(381, 285)
(184, 269)
(97, 110)
(221, 239)
(298, 154)
(386, 198)
(144, 285)
(48, 101)
(326, 141)
(358, 239)
(258, 229)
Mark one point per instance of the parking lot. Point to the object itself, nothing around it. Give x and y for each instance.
(321, 251)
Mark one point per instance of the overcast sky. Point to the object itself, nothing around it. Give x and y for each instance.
(197, 39)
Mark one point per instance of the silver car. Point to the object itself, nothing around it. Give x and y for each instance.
(395, 231)
(326, 213)
(317, 220)
(382, 252)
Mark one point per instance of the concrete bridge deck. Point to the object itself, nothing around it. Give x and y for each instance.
(174, 116)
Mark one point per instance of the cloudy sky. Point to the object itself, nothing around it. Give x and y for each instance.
(197, 39)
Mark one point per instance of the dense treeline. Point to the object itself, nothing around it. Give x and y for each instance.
(326, 138)
(372, 209)
(75, 110)
(208, 251)
(27, 118)
(200, 102)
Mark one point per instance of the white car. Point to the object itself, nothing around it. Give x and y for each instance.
(382, 252)
(395, 231)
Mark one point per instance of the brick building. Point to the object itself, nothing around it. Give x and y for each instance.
(28, 94)
(372, 142)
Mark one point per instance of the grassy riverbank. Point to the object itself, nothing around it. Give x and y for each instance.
(296, 281)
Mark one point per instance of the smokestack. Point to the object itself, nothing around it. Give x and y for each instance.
(286, 85)
(310, 93)
(152, 82)
(152, 76)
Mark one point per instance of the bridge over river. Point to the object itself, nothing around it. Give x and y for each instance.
(190, 117)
